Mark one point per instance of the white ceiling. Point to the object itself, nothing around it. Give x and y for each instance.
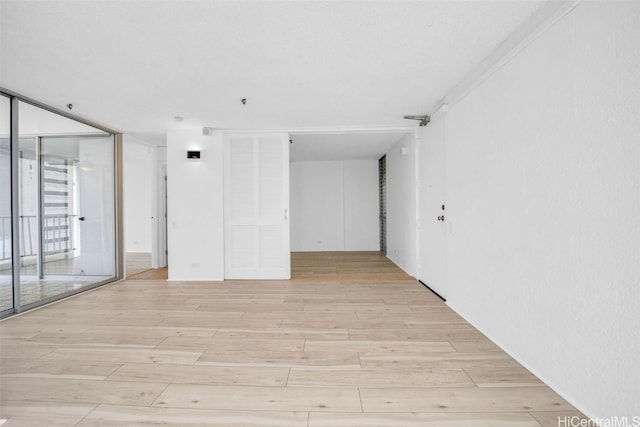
(322, 65)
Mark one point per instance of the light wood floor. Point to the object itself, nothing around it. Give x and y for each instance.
(153, 274)
(315, 351)
(344, 266)
(137, 262)
(62, 276)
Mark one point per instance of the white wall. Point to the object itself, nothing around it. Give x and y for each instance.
(543, 190)
(361, 206)
(401, 205)
(138, 185)
(317, 206)
(334, 206)
(195, 214)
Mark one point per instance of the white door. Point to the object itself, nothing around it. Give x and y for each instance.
(256, 206)
(96, 182)
(432, 230)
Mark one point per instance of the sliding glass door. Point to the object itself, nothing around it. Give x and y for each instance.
(6, 265)
(78, 210)
(58, 194)
(28, 226)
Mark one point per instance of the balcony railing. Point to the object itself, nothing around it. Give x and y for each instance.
(57, 235)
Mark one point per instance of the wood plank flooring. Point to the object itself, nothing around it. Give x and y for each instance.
(137, 262)
(62, 276)
(151, 274)
(350, 341)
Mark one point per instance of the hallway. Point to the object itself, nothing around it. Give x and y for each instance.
(313, 351)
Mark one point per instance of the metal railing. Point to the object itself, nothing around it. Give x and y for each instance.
(58, 231)
(6, 237)
(57, 235)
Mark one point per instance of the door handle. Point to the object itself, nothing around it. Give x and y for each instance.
(81, 218)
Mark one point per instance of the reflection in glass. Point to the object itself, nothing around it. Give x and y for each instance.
(67, 205)
(6, 282)
(28, 207)
(78, 206)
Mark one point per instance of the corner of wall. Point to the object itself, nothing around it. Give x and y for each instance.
(401, 204)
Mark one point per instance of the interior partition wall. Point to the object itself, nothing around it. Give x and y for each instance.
(60, 191)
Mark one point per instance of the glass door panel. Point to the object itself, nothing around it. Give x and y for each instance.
(96, 204)
(58, 163)
(78, 184)
(28, 208)
(67, 206)
(6, 265)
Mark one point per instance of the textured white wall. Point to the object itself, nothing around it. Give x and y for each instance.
(401, 205)
(361, 206)
(334, 206)
(138, 191)
(195, 214)
(317, 206)
(543, 189)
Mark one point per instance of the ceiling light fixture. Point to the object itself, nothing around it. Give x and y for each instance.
(424, 120)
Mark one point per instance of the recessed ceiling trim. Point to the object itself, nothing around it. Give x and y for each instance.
(543, 19)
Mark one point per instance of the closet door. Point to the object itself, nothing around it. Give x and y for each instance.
(256, 201)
